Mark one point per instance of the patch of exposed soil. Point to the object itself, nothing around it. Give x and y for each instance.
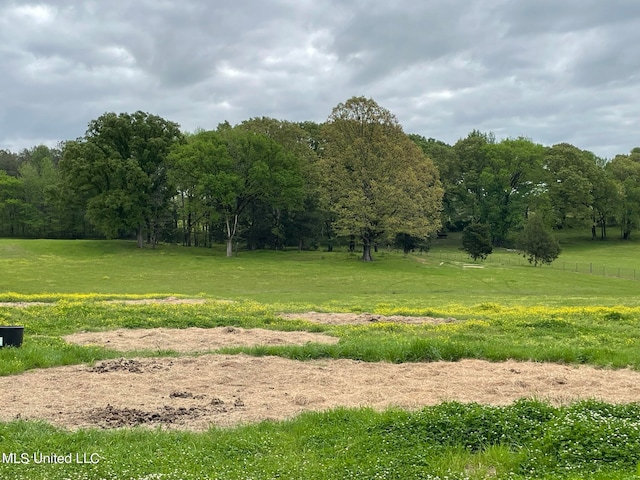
(23, 304)
(112, 417)
(194, 339)
(196, 392)
(144, 301)
(225, 390)
(169, 300)
(122, 364)
(362, 318)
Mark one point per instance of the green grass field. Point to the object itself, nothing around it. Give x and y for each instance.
(509, 309)
(337, 281)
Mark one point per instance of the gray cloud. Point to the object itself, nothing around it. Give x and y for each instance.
(552, 71)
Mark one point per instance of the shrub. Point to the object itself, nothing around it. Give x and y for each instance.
(476, 241)
(537, 243)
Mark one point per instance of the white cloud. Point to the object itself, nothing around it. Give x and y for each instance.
(552, 71)
(38, 14)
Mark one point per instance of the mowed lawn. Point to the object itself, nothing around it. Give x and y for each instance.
(336, 280)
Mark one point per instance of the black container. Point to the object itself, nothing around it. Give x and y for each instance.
(11, 336)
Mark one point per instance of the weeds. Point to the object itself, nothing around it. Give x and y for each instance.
(529, 439)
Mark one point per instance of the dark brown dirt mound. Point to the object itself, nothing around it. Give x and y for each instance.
(112, 417)
(127, 365)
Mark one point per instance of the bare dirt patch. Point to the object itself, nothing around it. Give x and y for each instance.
(23, 304)
(193, 339)
(196, 392)
(224, 390)
(167, 300)
(362, 318)
(144, 301)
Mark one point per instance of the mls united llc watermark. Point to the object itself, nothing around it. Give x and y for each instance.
(50, 458)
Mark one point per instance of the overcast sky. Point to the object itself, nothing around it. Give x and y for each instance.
(551, 70)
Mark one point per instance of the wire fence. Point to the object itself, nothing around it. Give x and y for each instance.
(628, 273)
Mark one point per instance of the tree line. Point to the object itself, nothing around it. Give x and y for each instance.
(501, 183)
(356, 179)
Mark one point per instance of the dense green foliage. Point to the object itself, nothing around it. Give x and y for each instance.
(476, 241)
(537, 243)
(118, 173)
(268, 183)
(219, 175)
(501, 183)
(624, 171)
(376, 182)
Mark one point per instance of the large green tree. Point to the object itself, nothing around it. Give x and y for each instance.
(198, 171)
(41, 180)
(510, 185)
(493, 183)
(467, 190)
(119, 169)
(376, 181)
(571, 174)
(446, 160)
(606, 197)
(9, 162)
(228, 169)
(300, 223)
(537, 243)
(625, 170)
(476, 241)
(11, 204)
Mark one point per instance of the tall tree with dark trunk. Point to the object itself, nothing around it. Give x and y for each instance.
(376, 181)
(510, 185)
(300, 223)
(119, 169)
(571, 174)
(230, 168)
(467, 190)
(606, 197)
